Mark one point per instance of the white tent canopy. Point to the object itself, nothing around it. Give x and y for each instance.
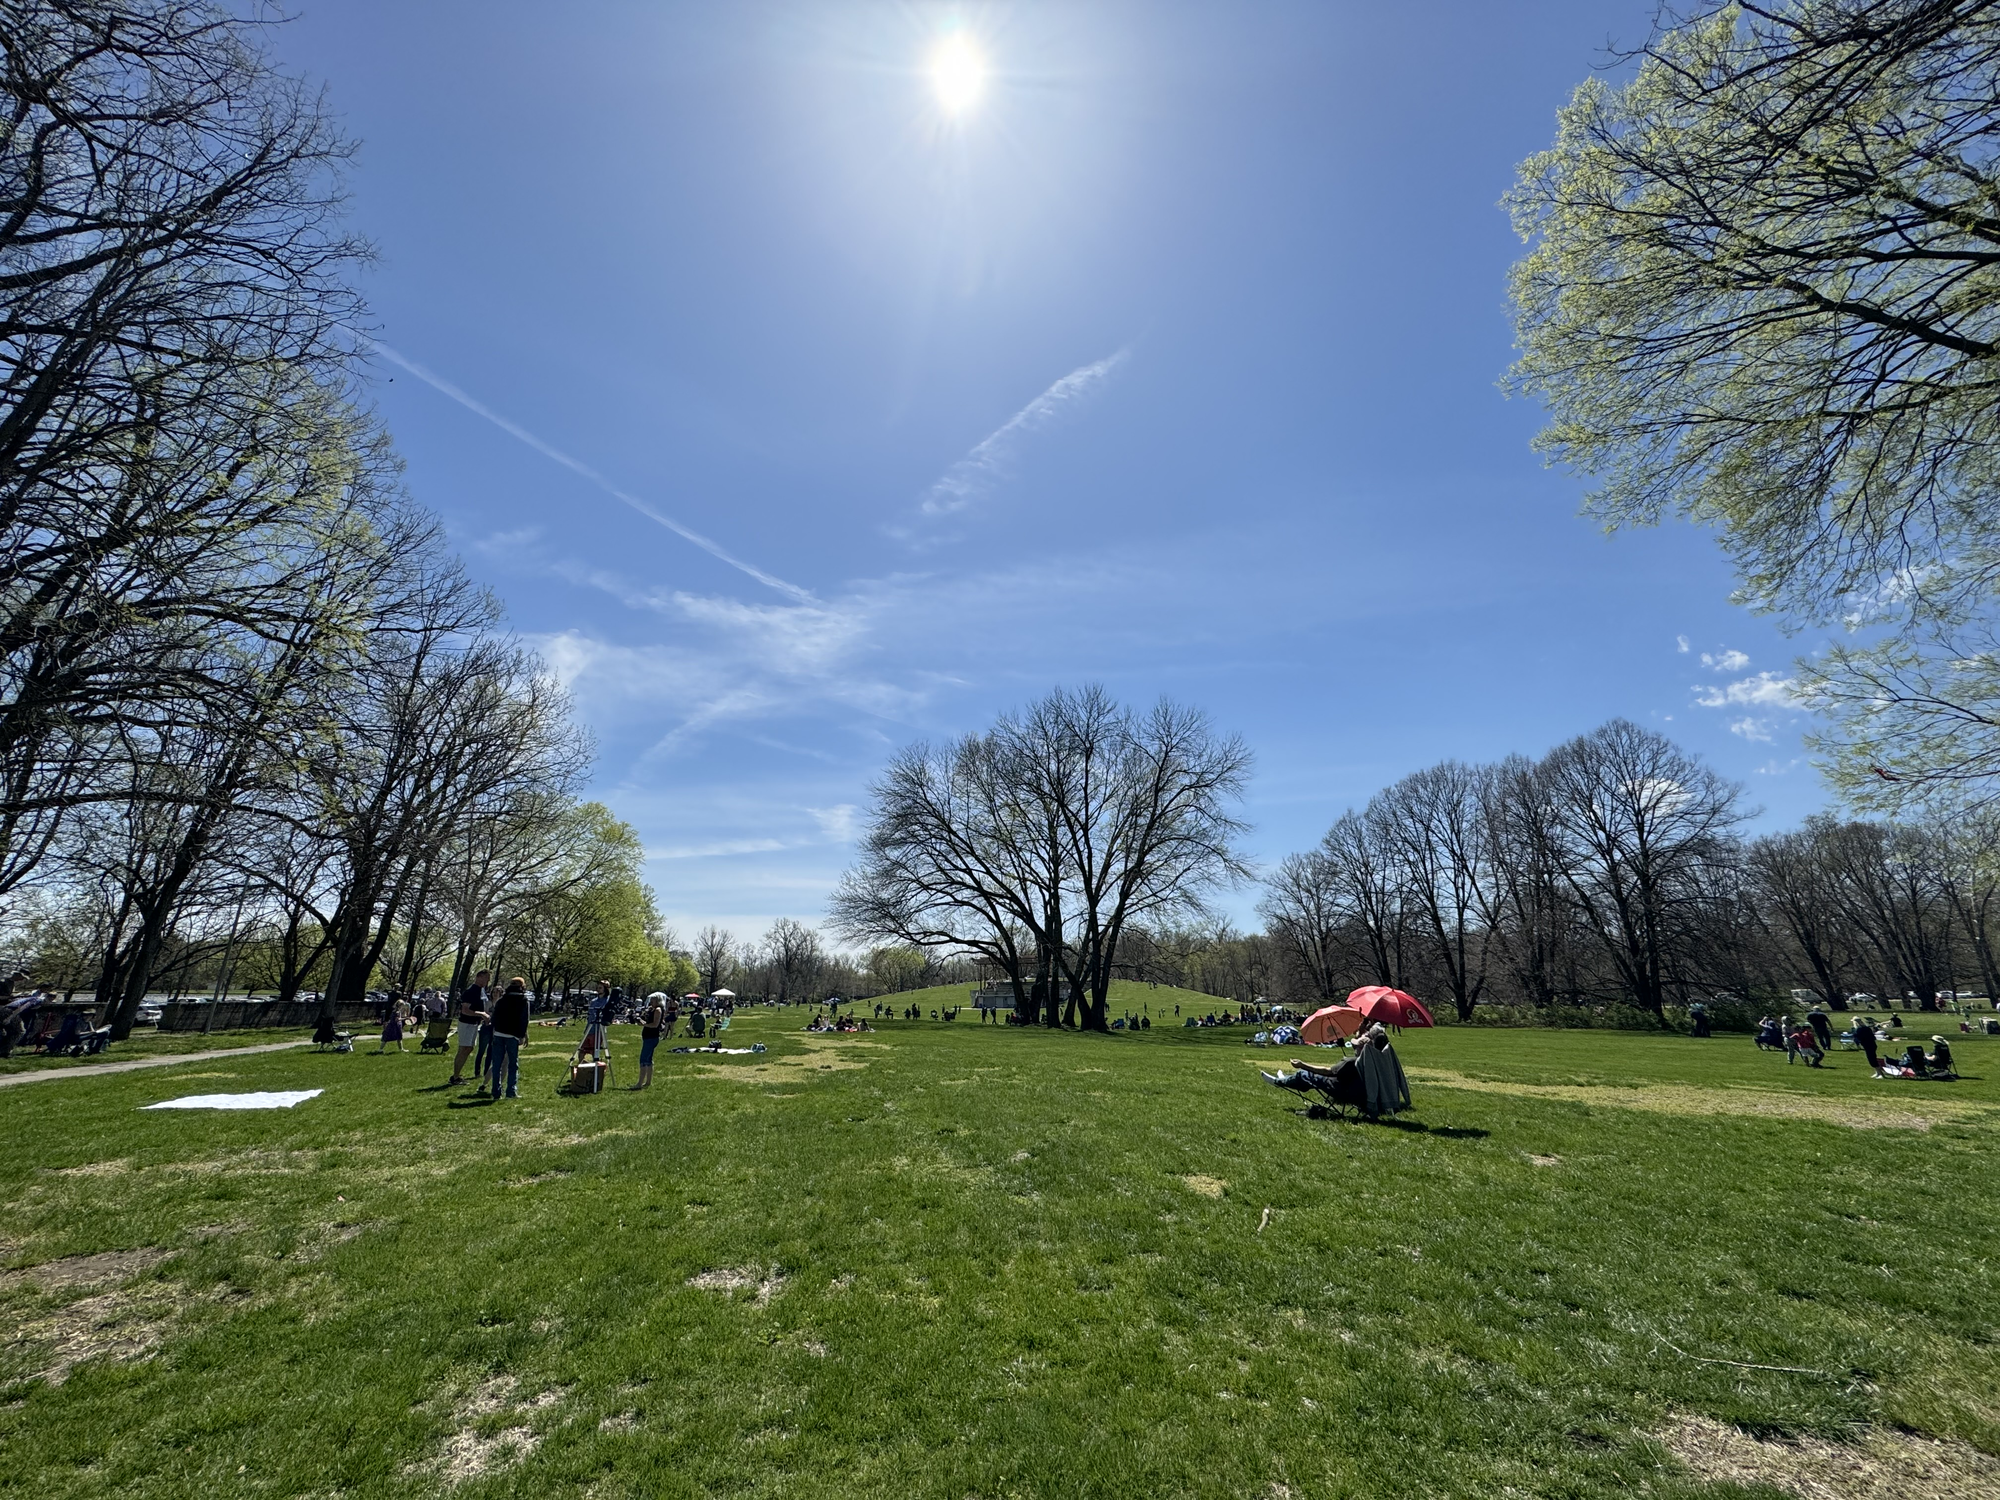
(722, 995)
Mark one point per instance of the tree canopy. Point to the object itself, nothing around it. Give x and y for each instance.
(1763, 293)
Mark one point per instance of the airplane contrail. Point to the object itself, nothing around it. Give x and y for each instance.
(576, 466)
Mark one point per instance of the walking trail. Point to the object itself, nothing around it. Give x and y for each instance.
(7, 1080)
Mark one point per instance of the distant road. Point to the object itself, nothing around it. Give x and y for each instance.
(8, 1080)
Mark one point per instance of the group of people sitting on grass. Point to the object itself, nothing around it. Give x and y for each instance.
(1809, 1039)
(1914, 1063)
(842, 1023)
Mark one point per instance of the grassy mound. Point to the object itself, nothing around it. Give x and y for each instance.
(952, 1260)
(1156, 1000)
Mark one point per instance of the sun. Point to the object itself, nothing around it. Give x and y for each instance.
(958, 73)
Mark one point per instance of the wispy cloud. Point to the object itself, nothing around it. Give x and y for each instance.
(582, 470)
(974, 476)
(1728, 661)
(1681, 644)
(1752, 729)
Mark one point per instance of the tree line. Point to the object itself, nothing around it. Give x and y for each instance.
(1613, 871)
(1077, 841)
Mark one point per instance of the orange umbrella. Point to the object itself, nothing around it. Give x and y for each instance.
(1393, 1007)
(1330, 1024)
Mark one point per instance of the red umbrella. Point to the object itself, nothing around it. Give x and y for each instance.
(1329, 1024)
(1393, 1007)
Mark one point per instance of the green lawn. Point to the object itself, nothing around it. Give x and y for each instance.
(963, 1260)
(150, 1043)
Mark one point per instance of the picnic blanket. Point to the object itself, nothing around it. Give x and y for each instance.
(280, 1099)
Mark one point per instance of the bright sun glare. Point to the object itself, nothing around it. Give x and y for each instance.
(958, 74)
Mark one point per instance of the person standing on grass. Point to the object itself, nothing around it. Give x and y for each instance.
(474, 1026)
(392, 1024)
(649, 1036)
(510, 1029)
(1864, 1033)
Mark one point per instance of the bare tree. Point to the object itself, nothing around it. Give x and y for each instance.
(1303, 911)
(714, 954)
(796, 959)
(1637, 823)
(1435, 827)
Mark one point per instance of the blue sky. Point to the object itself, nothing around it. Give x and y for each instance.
(1170, 364)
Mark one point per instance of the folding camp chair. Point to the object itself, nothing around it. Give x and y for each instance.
(437, 1035)
(1338, 1092)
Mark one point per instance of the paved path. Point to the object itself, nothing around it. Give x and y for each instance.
(8, 1079)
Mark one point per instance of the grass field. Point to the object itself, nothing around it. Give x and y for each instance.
(955, 1260)
(150, 1043)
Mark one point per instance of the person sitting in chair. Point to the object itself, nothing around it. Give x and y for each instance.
(1939, 1061)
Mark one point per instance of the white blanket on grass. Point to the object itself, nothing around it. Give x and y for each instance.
(283, 1099)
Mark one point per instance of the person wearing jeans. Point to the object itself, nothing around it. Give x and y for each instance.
(510, 1029)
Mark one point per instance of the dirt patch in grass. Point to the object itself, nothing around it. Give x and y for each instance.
(730, 1280)
(1878, 1465)
(470, 1454)
(82, 1273)
(1690, 1099)
(115, 1168)
(1545, 1161)
(126, 1324)
(1208, 1187)
(823, 1055)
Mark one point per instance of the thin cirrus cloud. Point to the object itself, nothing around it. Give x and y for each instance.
(583, 470)
(976, 475)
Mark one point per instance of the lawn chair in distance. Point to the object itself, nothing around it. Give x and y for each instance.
(437, 1035)
(1337, 1093)
(325, 1036)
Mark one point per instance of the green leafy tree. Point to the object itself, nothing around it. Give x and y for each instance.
(1763, 293)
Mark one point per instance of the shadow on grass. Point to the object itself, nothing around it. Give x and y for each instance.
(1412, 1127)
(477, 1101)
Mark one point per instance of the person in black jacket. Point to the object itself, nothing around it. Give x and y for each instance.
(510, 1029)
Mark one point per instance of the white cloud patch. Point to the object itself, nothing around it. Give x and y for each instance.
(975, 476)
(1681, 644)
(1726, 661)
(836, 823)
(1761, 690)
(1758, 730)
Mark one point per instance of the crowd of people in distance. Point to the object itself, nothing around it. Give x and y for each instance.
(849, 1022)
(914, 1013)
(1243, 1015)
